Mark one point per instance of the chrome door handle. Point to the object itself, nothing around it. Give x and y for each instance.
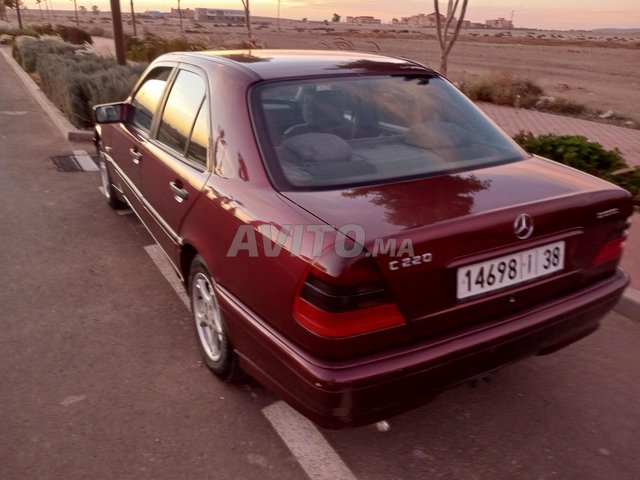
(136, 156)
(179, 193)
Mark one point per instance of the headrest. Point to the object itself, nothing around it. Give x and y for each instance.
(316, 148)
(437, 135)
(324, 107)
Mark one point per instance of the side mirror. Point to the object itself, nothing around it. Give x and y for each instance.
(111, 112)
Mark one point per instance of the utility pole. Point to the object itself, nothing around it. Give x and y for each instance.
(512, 14)
(118, 36)
(278, 15)
(19, 15)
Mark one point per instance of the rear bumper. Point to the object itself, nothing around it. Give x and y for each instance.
(340, 394)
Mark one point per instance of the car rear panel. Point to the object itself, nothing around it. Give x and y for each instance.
(459, 220)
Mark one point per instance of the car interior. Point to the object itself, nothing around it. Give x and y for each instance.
(346, 132)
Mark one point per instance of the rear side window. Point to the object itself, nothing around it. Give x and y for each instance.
(145, 101)
(181, 110)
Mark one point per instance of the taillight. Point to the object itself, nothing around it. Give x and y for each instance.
(349, 302)
(610, 251)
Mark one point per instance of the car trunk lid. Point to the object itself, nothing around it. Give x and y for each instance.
(452, 221)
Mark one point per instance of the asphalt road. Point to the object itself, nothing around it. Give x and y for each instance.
(100, 377)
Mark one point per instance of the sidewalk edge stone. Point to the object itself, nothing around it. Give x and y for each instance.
(65, 127)
(629, 304)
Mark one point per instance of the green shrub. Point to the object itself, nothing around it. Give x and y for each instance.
(17, 32)
(503, 88)
(43, 29)
(27, 50)
(76, 83)
(74, 35)
(578, 152)
(73, 79)
(153, 46)
(562, 105)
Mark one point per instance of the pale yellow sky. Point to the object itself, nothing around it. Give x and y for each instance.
(550, 14)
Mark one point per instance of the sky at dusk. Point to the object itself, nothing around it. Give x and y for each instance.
(549, 14)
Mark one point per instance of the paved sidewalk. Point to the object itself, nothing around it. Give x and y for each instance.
(627, 140)
(513, 120)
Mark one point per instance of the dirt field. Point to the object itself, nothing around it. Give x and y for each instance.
(600, 71)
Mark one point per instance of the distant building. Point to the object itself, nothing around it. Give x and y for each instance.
(186, 13)
(363, 20)
(422, 20)
(154, 14)
(500, 23)
(219, 15)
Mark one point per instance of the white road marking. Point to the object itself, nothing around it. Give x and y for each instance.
(13, 112)
(307, 444)
(85, 161)
(72, 399)
(161, 261)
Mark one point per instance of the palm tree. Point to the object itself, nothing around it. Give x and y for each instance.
(75, 9)
(133, 20)
(247, 17)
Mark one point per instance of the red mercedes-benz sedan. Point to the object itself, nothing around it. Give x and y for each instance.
(352, 231)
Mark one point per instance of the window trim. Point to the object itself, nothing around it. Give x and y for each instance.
(153, 138)
(142, 133)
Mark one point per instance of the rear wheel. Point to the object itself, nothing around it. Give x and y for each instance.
(107, 187)
(211, 330)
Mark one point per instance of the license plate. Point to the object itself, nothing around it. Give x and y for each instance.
(510, 270)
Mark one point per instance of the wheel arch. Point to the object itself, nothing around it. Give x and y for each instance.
(187, 253)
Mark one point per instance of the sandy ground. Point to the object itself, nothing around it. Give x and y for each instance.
(601, 71)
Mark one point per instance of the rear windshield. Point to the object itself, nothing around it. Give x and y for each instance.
(342, 132)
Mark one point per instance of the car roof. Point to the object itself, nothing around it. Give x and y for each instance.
(275, 64)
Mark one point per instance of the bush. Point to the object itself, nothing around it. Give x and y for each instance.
(503, 88)
(74, 35)
(26, 50)
(561, 105)
(76, 83)
(74, 80)
(578, 152)
(17, 32)
(153, 46)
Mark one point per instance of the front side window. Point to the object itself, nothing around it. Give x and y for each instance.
(180, 112)
(341, 132)
(146, 100)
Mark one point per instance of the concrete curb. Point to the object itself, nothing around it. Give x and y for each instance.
(65, 127)
(629, 304)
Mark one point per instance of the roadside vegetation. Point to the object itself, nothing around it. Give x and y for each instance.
(73, 35)
(153, 46)
(506, 88)
(73, 79)
(591, 157)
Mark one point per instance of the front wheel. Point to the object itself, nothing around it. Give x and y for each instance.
(211, 331)
(107, 187)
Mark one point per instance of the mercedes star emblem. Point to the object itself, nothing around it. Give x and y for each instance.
(523, 226)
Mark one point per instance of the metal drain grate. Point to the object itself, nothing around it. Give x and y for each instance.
(69, 163)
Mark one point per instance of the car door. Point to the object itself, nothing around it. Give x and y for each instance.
(176, 170)
(128, 145)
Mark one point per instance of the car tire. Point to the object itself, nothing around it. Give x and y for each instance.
(107, 187)
(210, 328)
